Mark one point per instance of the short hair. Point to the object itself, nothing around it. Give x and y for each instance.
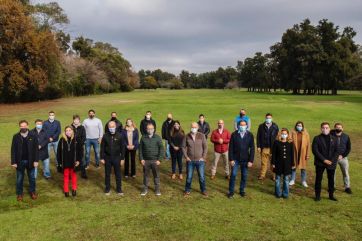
(76, 116)
(23, 121)
(148, 112)
(338, 124)
(38, 120)
(51, 112)
(324, 124)
(243, 121)
(113, 112)
(268, 114)
(201, 115)
(150, 124)
(91, 110)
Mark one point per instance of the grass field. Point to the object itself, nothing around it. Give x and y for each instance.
(258, 216)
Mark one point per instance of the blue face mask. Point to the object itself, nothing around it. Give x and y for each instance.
(299, 128)
(268, 120)
(284, 136)
(112, 130)
(242, 128)
(39, 127)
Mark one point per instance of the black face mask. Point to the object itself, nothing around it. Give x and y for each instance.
(23, 130)
(242, 115)
(114, 118)
(338, 130)
(169, 119)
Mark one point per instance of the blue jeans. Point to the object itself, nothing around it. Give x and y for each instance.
(20, 172)
(168, 154)
(46, 169)
(46, 162)
(88, 144)
(303, 175)
(200, 168)
(234, 172)
(285, 191)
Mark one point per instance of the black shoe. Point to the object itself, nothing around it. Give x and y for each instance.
(74, 193)
(230, 195)
(317, 198)
(348, 190)
(331, 197)
(242, 194)
(59, 169)
(66, 194)
(84, 176)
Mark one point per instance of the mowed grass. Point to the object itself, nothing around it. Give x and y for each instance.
(258, 216)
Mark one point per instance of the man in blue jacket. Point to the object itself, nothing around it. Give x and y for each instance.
(52, 129)
(241, 154)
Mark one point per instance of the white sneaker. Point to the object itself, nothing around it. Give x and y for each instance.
(107, 193)
(291, 183)
(304, 184)
(144, 192)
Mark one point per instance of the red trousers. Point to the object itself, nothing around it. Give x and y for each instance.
(73, 176)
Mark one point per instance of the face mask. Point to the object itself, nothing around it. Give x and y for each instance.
(242, 115)
(91, 116)
(194, 130)
(148, 117)
(268, 120)
(23, 130)
(169, 119)
(299, 128)
(112, 130)
(284, 136)
(39, 127)
(68, 133)
(220, 126)
(338, 130)
(150, 132)
(325, 131)
(242, 128)
(114, 118)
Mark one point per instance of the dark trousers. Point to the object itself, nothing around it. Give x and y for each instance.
(20, 173)
(151, 165)
(319, 177)
(115, 163)
(176, 157)
(130, 156)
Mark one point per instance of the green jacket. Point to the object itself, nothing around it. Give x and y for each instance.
(151, 148)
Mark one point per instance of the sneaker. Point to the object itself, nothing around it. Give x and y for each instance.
(348, 190)
(107, 193)
(173, 176)
(19, 198)
(86, 167)
(134, 176)
(180, 177)
(230, 195)
(126, 177)
(304, 184)
(74, 193)
(291, 183)
(144, 192)
(158, 193)
(186, 194)
(120, 193)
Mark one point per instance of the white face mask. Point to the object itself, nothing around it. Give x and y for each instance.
(148, 117)
(193, 130)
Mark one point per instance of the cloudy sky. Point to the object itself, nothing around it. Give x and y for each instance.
(198, 35)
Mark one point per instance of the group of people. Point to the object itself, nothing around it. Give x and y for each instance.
(116, 145)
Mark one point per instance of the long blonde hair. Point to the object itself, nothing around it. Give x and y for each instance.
(65, 136)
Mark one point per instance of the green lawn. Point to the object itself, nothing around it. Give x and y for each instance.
(258, 216)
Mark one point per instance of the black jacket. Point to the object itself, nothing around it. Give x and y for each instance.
(283, 157)
(144, 123)
(119, 126)
(16, 149)
(80, 134)
(262, 136)
(166, 129)
(321, 151)
(241, 149)
(344, 143)
(204, 128)
(69, 151)
(43, 142)
(113, 147)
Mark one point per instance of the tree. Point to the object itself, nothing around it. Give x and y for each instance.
(150, 83)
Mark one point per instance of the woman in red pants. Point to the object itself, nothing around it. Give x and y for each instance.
(69, 155)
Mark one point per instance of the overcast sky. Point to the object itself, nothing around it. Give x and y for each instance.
(198, 35)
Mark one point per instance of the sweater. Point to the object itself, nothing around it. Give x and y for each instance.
(93, 128)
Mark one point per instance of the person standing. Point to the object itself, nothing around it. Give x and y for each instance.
(282, 162)
(119, 126)
(240, 117)
(220, 138)
(344, 148)
(131, 139)
(144, 123)
(267, 132)
(52, 128)
(80, 136)
(204, 127)
(176, 139)
(69, 155)
(325, 151)
(150, 155)
(112, 155)
(43, 141)
(241, 155)
(25, 156)
(166, 130)
(94, 132)
(195, 152)
(301, 143)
